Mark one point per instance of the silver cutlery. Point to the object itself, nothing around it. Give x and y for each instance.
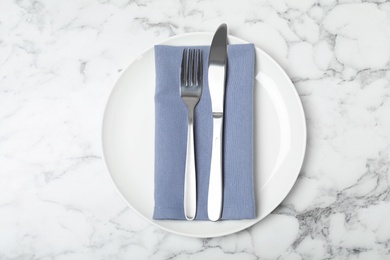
(190, 92)
(216, 80)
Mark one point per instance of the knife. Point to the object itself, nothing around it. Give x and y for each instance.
(216, 80)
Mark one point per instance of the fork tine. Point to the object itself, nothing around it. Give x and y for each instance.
(189, 68)
(195, 65)
(187, 65)
(199, 67)
(183, 69)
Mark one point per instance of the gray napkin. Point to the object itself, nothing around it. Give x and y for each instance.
(171, 136)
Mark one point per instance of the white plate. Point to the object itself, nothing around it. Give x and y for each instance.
(128, 138)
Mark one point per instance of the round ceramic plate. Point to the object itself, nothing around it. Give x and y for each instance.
(128, 138)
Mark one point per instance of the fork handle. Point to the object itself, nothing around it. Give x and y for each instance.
(190, 173)
(214, 204)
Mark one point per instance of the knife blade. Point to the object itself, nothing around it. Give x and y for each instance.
(216, 79)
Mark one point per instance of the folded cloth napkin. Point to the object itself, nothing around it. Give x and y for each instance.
(171, 136)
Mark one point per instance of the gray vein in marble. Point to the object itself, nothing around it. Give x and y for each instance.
(146, 24)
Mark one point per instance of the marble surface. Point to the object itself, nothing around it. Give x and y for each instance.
(59, 61)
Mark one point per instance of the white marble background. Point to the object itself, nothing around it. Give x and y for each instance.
(58, 63)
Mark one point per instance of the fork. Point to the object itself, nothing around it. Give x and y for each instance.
(190, 92)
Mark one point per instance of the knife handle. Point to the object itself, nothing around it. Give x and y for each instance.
(214, 204)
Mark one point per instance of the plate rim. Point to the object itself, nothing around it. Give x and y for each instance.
(250, 222)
